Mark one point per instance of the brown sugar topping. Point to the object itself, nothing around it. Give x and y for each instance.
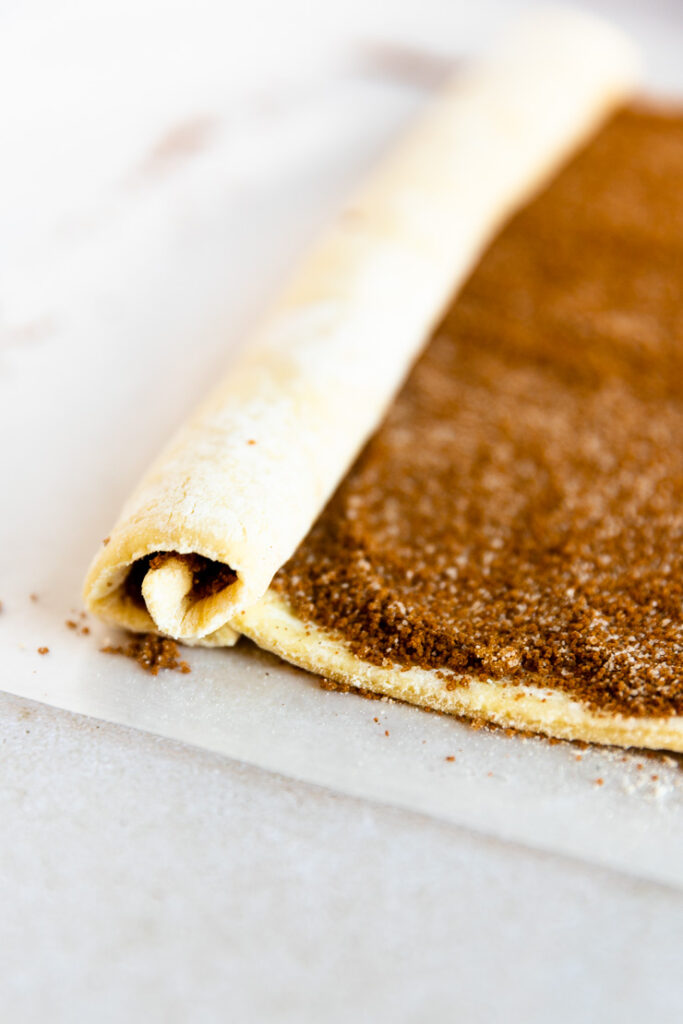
(151, 653)
(519, 515)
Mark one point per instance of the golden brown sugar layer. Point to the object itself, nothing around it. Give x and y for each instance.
(520, 512)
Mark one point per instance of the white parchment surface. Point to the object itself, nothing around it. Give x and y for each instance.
(118, 309)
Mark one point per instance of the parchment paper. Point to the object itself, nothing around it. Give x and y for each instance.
(148, 270)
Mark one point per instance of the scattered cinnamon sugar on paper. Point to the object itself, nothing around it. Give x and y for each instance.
(151, 653)
(82, 629)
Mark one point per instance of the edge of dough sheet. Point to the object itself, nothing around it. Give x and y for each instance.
(273, 627)
(244, 479)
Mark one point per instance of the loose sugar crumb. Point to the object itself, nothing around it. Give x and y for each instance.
(151, 652)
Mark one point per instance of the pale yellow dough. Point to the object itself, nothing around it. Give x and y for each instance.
(273, 626)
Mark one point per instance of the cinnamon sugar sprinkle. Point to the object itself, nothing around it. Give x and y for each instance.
(151, 653)
(519, 515)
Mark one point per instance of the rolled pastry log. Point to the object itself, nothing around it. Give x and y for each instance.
(238, 487)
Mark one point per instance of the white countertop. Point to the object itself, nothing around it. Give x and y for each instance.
(143, 880)
(162, 166)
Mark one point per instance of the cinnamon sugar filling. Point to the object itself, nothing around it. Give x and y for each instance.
(208, 577)
(519, 515)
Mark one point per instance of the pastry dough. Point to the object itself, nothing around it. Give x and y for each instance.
(507, 546)
(272, 626)
(241, 483)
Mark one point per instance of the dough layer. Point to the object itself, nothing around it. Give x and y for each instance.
(273, 627)
(508, 544)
